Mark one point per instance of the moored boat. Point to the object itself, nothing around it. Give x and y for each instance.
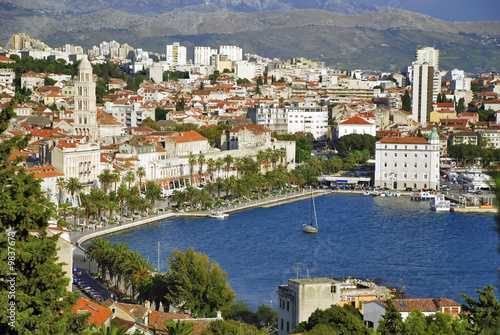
(423, 195)
(440, 204)
(218, 215)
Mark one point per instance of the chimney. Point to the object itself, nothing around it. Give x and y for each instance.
(218, 315)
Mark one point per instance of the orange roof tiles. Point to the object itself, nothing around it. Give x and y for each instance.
(47, 171)
(356, 120)
(404, 140)
(188, 136)
(98, 313)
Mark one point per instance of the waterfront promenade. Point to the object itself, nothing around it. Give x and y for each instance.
(78, 238)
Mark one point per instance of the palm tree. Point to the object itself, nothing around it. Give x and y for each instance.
(219, 163)
(281, 154)
(211, 188)
(61, 185)
(129, 178)
(179, 328)
(141, 173)
(74, 211)
(192, 162)
(105, 178)
(201, 161)
(228, 160)
(73, 186)
(122, 198)
(113, 329)
(261, 157)
(269, 157)
(98, 251)
(179, 197)
(232, 182)
(219, 182)
(88, 206)
(63, 209)
(211, 165)
(239, 163)
(191, 193)
(153, 193)
(259, 181)
(99, 202)
(205, 198)
(116, 177)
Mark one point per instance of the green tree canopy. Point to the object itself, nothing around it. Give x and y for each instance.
(359, 142)
(344, 320)
(197, 283)
(232, 327)
(35, 300)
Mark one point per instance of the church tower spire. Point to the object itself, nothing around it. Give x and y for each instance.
(85, 111)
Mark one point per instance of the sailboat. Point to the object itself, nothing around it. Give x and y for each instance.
(312, 227)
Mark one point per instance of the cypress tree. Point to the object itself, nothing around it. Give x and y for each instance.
(33, 294)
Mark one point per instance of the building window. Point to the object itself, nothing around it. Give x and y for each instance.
(282, 324)
(406, 155)
(395, 154)
(406, 164)
(385, 154)
(288, 305)
(395, 164)
(333, 289)
(415, 164)
(425, 165)
(287, 326)
(385, 164)
(360, 305)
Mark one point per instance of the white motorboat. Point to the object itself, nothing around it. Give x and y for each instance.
(440, 204)
(218, 215)
(423, 195)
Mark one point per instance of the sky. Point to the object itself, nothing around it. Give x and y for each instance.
(447, 10)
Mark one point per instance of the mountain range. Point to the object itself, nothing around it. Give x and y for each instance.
(342, 33)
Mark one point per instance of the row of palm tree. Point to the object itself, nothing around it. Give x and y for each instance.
(125, 268)
(98, 203)
(249, 179)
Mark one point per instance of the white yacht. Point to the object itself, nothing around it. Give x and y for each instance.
(440, 204)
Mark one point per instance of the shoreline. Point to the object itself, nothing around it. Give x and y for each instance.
(79, 238)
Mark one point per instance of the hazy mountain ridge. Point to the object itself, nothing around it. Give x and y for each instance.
(345, 40)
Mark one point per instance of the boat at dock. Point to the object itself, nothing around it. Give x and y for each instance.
(422, 195)
(218, 215)
(440, 204)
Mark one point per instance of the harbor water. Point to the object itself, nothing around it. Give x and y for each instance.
(401, 243)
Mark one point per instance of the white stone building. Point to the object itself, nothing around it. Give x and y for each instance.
(232, 52)
(203, 55)
(85, 112)
(402, 162)
(357, 125)
(422, 91)
(176, 54)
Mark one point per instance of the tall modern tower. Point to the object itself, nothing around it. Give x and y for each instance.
(430, 56)
(85, 113)
(176, 54)
(422, 87)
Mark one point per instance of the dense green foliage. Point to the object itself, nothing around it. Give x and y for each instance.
(175, 75)
(33, 293)
(232, 327)
(406, 101)
(359, 142)
(344, 320)
(264, 317)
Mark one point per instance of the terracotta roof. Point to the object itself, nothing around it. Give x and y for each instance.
(4, 59)
(404, 140)
(98, 313)
(188, 136)
(251, 127)
(356, 120)
(47, 171)
(425, 305)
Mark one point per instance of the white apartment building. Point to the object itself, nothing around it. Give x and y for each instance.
(79, 160)
(232, 52)
(422, 91)
(176, 54)
(244, 69)
(301, 297)
(357, 125)
(203, 55)
(491, 138)
(459, 81)
(428, 55)
(7, 77)
(291, 119)
(130, 115)
(311, 119)
(402, 162)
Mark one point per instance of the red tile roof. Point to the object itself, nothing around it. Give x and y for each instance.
(404, 140)
(356, 120)
(98, 313)
(425, 305)
(47, 171)
(188, 136)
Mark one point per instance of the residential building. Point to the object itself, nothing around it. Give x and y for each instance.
(301, 297)
(85, 112)
(7, 77)
(78, 160)
(490, 138)
(463, 137)
(246, 70)
(48, 176)
(402, 162)
(374, 310)
(176, 54)
(98, 314)
(422, 93)
(245, 136)
(430, 56)
(357, 125)
(203, 55)
(232, 52)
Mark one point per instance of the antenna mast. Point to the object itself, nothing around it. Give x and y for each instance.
(297, 264)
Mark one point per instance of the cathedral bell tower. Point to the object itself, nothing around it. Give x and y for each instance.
(85, 112)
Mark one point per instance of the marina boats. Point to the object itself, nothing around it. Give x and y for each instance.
(312, 226)
(474, 179)
(218, 215)
(440, 204)
(422, 195)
